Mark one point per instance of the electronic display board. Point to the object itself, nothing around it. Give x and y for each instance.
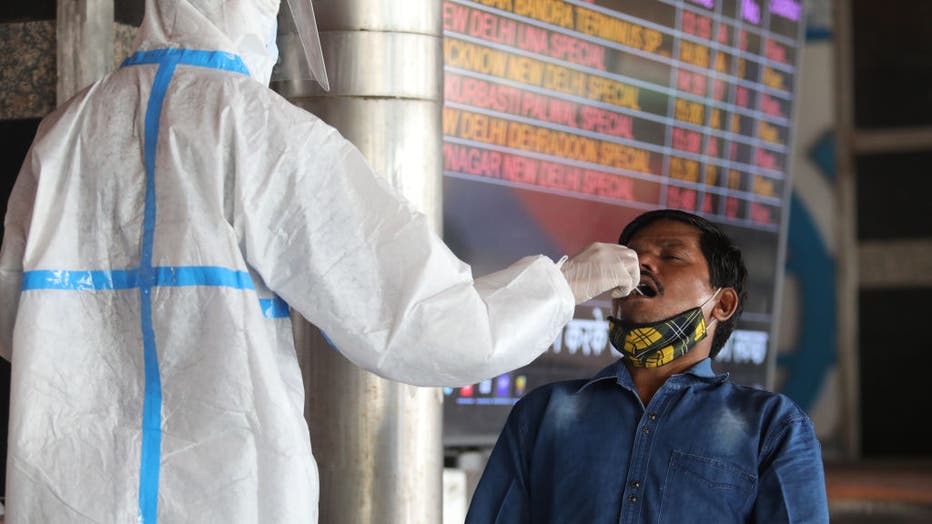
(563, 120)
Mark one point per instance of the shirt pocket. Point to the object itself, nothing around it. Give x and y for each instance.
(705, 489)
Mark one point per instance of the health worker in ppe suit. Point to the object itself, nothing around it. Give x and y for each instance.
(163, 221)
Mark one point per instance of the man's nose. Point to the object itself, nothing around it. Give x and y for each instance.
(647, 262)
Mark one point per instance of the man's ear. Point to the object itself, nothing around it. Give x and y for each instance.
(726, 305)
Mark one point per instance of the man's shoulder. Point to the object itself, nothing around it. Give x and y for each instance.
(551, 391)
(540, 403)
(772, 404)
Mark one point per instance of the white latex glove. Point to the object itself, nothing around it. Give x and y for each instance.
(602, 267)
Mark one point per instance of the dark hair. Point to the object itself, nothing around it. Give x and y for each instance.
(726, 266)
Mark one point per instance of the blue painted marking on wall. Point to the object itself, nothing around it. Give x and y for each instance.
(822, 154)
(816, 34)
(814, 353)
(816, 348)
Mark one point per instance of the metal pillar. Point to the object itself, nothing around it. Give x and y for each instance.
(846, 185)
(378, 443)
(84, 31)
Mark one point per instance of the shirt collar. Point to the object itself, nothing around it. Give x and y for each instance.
(701, 370)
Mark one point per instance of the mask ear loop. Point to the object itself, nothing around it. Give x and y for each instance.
(698, 310)
(717, 291)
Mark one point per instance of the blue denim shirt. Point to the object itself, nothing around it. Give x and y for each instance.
(704, 450)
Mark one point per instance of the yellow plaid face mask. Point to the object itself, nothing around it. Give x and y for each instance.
(658, 343)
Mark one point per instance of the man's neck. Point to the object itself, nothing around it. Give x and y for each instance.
(648, 381)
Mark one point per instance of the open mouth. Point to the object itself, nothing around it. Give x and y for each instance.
(647, 288)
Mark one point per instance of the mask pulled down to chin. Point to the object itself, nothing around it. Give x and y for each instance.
(655, 344)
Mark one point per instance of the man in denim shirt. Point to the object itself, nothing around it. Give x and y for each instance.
(658, 436)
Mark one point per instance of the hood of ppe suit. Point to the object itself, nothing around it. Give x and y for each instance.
(244, 27)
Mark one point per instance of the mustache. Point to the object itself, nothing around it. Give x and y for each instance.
(655, 283)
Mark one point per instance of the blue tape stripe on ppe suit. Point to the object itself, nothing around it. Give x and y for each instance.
(192, 57)
(167, 59)
(177, 276)
(203, 276)
(152, 403)
(167, 276)
(274, 307)
(81, 280)
(145, 277)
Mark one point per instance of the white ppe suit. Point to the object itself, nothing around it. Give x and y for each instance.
(159, 216)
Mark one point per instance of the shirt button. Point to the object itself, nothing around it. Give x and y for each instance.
(652, 416)
(633, 498)
(635, 484)
(645, 429)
